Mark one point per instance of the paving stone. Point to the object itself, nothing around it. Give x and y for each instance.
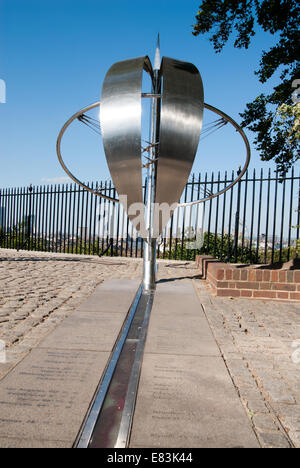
(257, 406)
(274, 440)
(48, 388)
(188, 401)
(264, 423)
(295, 437)
(290, 416)
(282, 396)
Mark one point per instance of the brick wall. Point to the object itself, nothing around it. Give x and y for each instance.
(250, 281)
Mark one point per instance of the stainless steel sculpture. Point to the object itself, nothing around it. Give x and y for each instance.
(177, 113)
(121, 125)
(176, 123)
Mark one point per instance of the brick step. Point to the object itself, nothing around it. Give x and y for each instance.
(250, 281)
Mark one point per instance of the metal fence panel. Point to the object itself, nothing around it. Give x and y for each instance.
(257, 221)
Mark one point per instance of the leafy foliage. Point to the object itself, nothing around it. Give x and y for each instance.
(276, 137)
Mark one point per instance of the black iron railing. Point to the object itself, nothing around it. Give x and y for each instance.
(257, 221)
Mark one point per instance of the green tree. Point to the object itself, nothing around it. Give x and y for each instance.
(276, 128)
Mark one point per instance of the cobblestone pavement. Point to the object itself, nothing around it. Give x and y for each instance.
(260, 343)
(259, 340)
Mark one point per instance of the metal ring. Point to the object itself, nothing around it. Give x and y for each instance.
(58, 145)
(99, 194)
(248, 155)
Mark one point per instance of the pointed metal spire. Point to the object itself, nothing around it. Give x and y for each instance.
(157, 55)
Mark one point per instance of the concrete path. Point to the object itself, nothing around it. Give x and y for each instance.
(44, 399)
(186, 397)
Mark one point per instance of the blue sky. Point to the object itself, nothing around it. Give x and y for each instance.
(54, 55)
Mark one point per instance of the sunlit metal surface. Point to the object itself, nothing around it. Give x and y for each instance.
(180, 127)
(247, 160)
(121, 122)
(195, 202)
(177, 114)
(60, 158)
(85, 435)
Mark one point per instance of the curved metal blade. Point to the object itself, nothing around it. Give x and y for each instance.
(120, 119)
(180, 128)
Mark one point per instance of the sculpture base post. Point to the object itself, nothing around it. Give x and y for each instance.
(149, 273)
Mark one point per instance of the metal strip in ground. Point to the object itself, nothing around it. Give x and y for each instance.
(118, 407)
(128, 411)
(92, 416)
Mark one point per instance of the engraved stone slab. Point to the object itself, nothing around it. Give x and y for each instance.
(102, 302)
(120, 285)
(171, 335)
(178, 324)
(45, 398)
(111, 296)
(88, 331)
(12, 442)
(186, 397)
(178, 286)
(187, 402)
